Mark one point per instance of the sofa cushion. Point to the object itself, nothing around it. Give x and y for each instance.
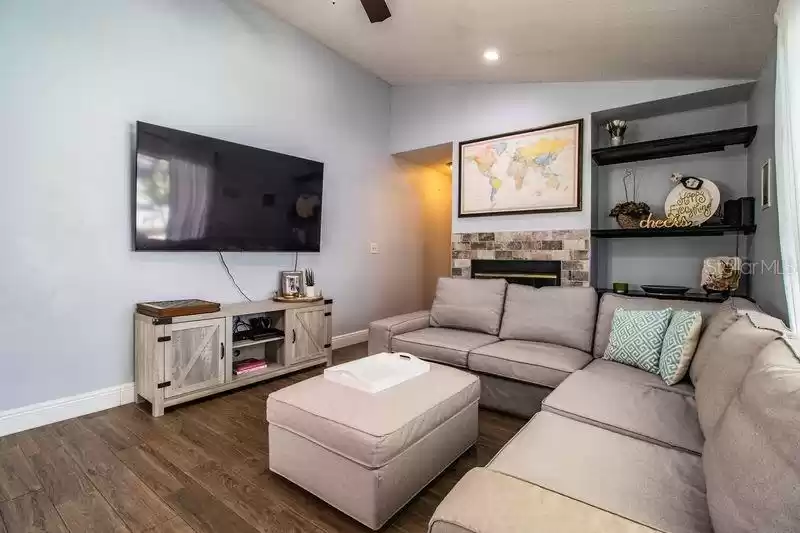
(557, 315)
(721, 320)
(610, 302)
(518, 506)
(637, 337)
(530, 362)
(443, 345)
(751, 461)
(727, 364)
(620, 372)
(471, 304)
(639, 411)
(653, 485)
(680, 342)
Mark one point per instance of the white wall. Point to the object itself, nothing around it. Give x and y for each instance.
(76, 76)
(767, 286)
(429, 115)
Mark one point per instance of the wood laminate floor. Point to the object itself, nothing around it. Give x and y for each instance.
(202, 467)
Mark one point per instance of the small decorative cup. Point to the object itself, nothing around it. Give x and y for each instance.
(620, 288)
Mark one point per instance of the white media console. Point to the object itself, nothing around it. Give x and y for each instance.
(185, 358)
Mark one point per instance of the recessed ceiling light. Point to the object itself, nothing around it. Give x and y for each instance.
(491, 55)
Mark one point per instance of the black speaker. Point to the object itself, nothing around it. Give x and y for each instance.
(740, 212)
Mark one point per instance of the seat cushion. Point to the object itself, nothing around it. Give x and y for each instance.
(557, 315)
(620, 372)
(531, 362)
(727, 364)
(517, 506)
(372, 429)
(610, 302)
(443, 345)
(653, 485)
(751, 461)
(653, 415)
(471, 304)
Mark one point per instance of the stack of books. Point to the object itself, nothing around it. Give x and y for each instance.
(248, 366)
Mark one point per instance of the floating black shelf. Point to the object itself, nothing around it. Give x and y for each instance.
(699, 143)
(710, 230)
(691, 296)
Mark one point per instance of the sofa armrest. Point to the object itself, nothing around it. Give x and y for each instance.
(382, 331)
(489, 502)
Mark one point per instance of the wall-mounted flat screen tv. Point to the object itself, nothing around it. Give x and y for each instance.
(195, 193)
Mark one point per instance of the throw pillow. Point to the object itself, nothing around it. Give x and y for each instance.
(636, 338)
(680, 342)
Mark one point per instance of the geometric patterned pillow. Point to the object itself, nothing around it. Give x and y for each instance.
(636, 338)
(680, 342)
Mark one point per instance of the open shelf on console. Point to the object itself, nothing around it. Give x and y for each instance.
(247, 343)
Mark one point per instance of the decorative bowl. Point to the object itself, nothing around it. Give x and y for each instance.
(665, 289)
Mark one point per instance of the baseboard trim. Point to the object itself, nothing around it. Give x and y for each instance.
(349, 339)
(41, 414)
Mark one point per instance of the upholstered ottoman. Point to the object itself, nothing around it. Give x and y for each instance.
(369, 454)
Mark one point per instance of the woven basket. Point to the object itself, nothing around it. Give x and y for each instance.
(628, 222)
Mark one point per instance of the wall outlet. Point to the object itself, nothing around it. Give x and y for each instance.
(373, 248)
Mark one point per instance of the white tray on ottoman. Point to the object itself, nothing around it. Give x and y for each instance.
(377, 372)
(368, 454)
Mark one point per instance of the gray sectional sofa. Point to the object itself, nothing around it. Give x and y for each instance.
(611, 447)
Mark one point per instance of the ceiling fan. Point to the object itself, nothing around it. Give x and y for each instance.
(377, 10)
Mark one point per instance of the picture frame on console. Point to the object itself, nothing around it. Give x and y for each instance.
(538, 170)
(292, 284)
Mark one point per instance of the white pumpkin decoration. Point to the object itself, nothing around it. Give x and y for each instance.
(692, 204)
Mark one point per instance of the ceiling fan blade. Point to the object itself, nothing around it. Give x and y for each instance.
(377, 10)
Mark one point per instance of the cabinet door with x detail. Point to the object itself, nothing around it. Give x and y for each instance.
(194, 357)
(309, 334)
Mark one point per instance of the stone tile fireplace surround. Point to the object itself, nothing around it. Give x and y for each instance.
(571, 247)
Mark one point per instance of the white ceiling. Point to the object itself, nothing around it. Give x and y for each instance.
(544, 40)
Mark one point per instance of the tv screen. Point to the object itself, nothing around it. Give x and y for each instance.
(198, 193)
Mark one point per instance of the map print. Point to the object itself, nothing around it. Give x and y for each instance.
(528, 171)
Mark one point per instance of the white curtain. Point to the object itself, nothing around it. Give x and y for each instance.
(787, 150)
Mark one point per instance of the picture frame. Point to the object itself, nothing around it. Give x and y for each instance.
(766, 184)
(531, 171)
(292, 284)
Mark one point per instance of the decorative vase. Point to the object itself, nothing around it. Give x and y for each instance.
(617, 141)
(721, 274)
(628, 222)
(311, 291)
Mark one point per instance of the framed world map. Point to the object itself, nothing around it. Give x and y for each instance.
(532, 171)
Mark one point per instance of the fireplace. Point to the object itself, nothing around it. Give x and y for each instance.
(523, 272)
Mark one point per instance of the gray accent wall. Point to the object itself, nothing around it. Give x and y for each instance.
(76, 77)
(669, 261)
(767, 283)
(428, 115)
